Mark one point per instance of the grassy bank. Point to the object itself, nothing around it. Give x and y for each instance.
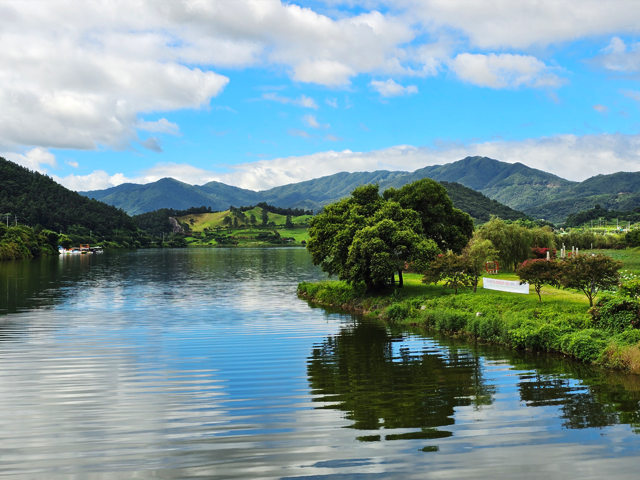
(561, 323)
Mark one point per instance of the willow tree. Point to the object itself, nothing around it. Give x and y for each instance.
(514, 241)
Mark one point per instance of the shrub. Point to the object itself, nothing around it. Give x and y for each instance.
(397, 311)
(586, 345)
(630, 288)
(616, 313)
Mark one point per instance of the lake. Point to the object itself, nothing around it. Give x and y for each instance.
(203, 363)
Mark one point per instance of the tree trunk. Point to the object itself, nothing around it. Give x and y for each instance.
(393, 279)
(475, 284)
(400, 279)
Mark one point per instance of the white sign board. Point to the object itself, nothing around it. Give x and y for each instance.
(505, 285)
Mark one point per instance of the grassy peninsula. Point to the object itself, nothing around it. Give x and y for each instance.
(584, 305)
(561, 323)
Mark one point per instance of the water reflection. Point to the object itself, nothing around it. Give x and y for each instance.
(393, 381)
(204, 364)
(387, 380)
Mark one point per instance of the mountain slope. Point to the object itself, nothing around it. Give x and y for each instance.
(37, 200)
(512, 184)
(523, 189)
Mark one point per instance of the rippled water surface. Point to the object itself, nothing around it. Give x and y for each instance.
(204, 364)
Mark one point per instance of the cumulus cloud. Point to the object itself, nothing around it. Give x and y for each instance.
(494, 24)
(618, 57)
(35, 159)
(390, 88)
(332, 102)
(99, 179)
(504, 70)
(302, 101)
(572, 157)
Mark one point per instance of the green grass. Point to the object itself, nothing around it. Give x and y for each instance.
(245, 236)
(560, 323)
(215, 220)
(630, 257)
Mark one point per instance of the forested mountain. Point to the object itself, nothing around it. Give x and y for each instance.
(512, 184)
(536, 193)
(479, 206)
(37, 200)
(308, 195)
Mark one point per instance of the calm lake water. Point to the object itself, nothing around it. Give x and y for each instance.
(204, 364)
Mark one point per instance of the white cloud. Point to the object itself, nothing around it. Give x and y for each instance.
(504, 70)
(569, 156)
(72, 163)
(294, 132)
(161, 126)
(617, 57)
(310, 121)
(390, 88)
(34, 159)
(632, 94)
(601, 109)
(332, 102)
(99, 179)
(302, 101)
(491, 24)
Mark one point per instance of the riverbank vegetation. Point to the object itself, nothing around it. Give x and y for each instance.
(446, 262)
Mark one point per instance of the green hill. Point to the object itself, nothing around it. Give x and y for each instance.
(37, 200)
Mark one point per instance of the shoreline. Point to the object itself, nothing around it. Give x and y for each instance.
(561, 325)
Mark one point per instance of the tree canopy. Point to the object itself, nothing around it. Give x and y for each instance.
(449, 227)
(367, 238)
(590, 274)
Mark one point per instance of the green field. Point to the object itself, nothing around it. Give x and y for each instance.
(209, 230)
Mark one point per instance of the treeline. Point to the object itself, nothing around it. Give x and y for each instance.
(20, 242)
(294, 212)
(596, 213)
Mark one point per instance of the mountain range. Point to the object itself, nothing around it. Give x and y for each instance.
(517, 187)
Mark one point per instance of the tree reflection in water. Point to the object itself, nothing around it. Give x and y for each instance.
(393, 381)
(381, 382)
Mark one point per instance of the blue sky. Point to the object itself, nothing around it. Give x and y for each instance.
(260, 93)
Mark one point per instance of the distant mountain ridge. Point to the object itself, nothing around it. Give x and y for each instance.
(523, 189)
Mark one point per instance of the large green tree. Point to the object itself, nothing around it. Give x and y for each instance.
(368, 239)
(449, 227)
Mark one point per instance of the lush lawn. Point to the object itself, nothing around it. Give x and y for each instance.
(562, 322)
(630, 257)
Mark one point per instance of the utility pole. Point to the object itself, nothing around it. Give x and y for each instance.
(16, 220)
